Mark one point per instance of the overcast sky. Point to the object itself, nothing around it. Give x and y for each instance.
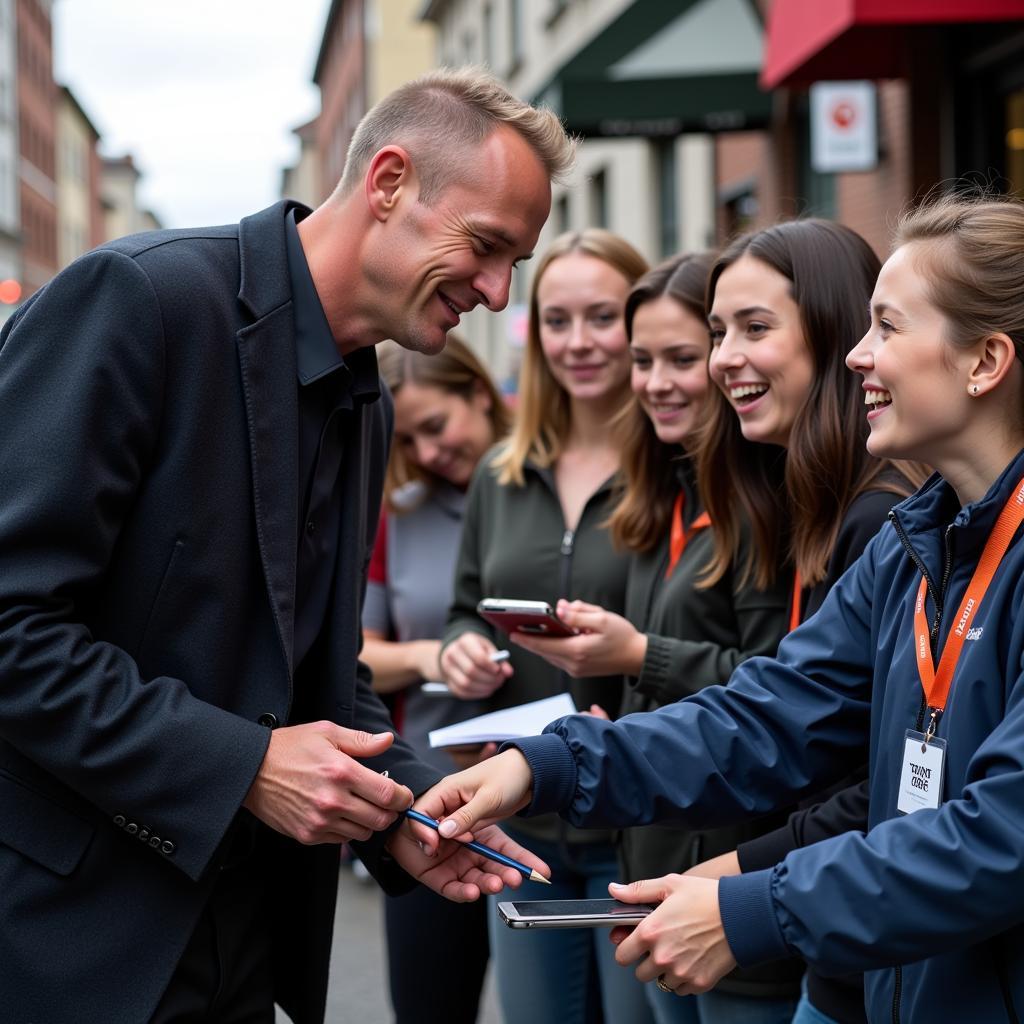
(203, 93)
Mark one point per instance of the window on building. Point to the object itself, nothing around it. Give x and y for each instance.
(599, 199)
(816, 191)
(515, 33)
(487, 35)
(562, 214)
(668, 196)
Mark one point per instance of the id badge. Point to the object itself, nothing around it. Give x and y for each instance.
(921, 774)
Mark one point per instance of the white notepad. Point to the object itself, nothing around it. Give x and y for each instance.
(508, 724)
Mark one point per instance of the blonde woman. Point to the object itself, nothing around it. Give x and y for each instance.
(534, 530)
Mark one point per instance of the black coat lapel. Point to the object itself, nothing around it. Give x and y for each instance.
(266, 354)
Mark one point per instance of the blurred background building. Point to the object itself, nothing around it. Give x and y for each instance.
(58, 198)
(698, 118)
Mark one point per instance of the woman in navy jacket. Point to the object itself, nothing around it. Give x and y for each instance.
(928, 902)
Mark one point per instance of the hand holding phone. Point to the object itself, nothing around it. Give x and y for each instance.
(572, 913)
(536, 617)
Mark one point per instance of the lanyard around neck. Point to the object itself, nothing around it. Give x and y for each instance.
(680, 536)
(936, 683)
(794, 608)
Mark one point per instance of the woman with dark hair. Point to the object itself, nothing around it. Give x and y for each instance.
(675, 635)
(448, 413)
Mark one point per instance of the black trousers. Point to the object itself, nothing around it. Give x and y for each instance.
(224, 976)
(437, 957)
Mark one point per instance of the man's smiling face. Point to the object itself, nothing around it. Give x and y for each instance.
(438, 260)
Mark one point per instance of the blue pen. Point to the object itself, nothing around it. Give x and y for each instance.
(528, 873)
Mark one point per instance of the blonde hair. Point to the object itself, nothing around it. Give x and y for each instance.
(543, 413)
(444, 114)
(976, 272)
(455, 370)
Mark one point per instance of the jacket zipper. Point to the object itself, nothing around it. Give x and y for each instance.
(568, 540)
(938, 597)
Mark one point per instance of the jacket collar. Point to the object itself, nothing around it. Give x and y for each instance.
(936, 505)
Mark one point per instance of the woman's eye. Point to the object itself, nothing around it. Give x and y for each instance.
(641, 362)
(605, 319)
(683, 361)
(717, 335)
(433, 427)
(756, 329)
(885, 327)
(555, 323)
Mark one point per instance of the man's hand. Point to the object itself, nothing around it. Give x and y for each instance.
(457, 872)
(606, 644)
(467, 667)
(310, 787)
(475, 798)
(683, 942)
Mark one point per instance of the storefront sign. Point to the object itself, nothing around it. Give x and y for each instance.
(844, 127)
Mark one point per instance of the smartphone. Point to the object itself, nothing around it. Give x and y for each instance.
(572, 913)
(535, 617)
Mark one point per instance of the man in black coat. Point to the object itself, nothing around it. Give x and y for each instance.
(192, 454)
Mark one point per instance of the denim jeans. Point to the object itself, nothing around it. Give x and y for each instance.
(718, 1008)
(564, 976)
(807, 1014)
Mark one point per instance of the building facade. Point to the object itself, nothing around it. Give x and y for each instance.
(119, 195)
(37, 129)
(80, 216)
(10, 218)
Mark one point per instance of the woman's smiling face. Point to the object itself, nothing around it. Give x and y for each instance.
(669, 348)
(759, 357)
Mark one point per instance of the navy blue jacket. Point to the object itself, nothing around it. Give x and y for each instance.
(931, 904)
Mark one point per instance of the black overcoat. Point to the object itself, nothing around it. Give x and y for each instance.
(148, 537)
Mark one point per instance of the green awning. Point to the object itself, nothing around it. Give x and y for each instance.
(664, 67)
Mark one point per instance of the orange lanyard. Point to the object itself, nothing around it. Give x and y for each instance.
(679, 537)
(936, 684)
(794, 608)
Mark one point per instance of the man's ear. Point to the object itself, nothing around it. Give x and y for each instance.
(389, 178)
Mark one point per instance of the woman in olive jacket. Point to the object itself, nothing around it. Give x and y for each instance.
(534, 530)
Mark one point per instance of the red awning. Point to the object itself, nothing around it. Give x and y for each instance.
(813, 40)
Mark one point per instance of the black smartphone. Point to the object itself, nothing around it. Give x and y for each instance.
(571, 913)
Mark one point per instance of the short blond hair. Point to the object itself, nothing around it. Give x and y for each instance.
(444, 114)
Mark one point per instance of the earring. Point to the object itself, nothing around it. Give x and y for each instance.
(974, 390)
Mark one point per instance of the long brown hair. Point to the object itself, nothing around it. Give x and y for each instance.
(640, 518)
(455, 370)
(543, 413)
(795, 499)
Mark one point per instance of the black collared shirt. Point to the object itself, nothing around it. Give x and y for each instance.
(330, 387)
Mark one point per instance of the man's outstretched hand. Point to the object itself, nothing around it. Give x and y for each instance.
(457, 872)
(311, 787)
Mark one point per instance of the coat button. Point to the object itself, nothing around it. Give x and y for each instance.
(311, 527)
(143, 834)
(131, 828)
(120, 820)
(154, 841)
(267, 719)
(167, 847)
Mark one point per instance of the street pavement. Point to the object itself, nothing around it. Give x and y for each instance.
(357, 992)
